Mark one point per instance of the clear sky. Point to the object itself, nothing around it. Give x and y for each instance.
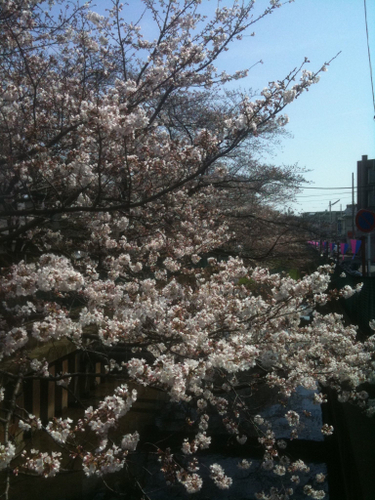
(333, 124)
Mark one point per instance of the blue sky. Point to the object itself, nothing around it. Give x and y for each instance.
(333, 124)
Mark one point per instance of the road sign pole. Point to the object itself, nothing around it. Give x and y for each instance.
(369, 254)
(363, 255)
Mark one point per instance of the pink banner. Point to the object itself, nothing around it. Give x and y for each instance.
(343, 249)
(356, 245)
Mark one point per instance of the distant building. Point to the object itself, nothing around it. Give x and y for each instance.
(324, 225)
(341, 225)
(366, 184)
(346, 224)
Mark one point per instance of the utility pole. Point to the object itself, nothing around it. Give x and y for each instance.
(352, 204)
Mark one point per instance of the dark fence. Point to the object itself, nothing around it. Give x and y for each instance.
(360, 307)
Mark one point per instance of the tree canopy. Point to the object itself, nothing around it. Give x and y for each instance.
(123, 164)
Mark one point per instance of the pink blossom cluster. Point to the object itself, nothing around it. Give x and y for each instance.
(109, 411)
(44, 464)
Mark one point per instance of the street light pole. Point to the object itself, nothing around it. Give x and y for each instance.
(330, 214)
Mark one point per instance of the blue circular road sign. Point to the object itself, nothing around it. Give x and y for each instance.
(365, 221)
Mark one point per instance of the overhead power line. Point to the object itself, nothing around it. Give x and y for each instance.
(320, 196)
(369, 57)
(332, 187)
(360, 189)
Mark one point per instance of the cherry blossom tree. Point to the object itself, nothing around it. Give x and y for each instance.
(109, 201)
